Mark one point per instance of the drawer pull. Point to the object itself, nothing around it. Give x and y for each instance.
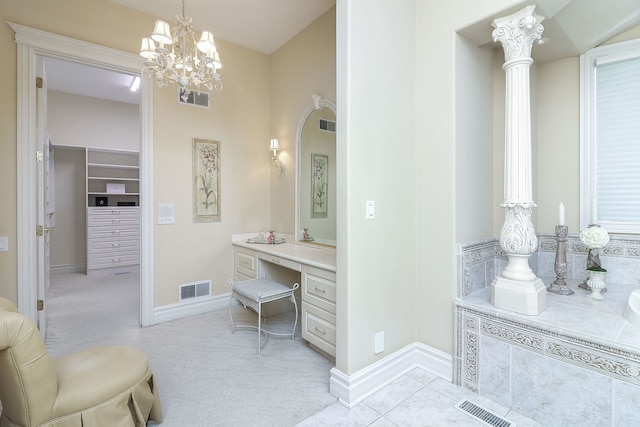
(115, 212)
(115, 260)
(115, 232)
(115, 245)
(320, 290)
(276, 260)
(321, 331)
(115, 221)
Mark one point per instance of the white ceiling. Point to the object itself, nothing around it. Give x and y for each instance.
(572, 26)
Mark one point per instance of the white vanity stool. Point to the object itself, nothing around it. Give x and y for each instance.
(255, 292)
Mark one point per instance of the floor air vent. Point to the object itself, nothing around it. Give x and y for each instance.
(190, 291)
(482, 415)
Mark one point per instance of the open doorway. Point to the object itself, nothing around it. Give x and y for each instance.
(93, 124)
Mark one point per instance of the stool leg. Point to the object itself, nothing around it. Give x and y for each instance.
(233, 328)
(259, 327)
(295, 323)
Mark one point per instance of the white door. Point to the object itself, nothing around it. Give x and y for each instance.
(44, 209)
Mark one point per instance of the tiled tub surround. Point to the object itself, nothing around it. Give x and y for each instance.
(577, 363)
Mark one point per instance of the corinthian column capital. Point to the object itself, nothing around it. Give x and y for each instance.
(518, 33)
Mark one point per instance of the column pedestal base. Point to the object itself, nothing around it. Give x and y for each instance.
(524, 297)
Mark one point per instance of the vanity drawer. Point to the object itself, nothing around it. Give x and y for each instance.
(319, 288)
(292, 265)
(246, 263)
(319, 328)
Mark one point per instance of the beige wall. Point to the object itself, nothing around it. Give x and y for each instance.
(305, 65)
(82, 121)
(69, 239)
(378, 159)
(239, 119)
(399, 143)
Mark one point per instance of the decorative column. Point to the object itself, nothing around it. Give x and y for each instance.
(517, 288)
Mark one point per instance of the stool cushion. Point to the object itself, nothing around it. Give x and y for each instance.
(257, 289)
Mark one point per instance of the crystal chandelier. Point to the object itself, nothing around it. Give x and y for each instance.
(174, 56)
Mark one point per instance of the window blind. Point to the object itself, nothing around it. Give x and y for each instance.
(617, 144)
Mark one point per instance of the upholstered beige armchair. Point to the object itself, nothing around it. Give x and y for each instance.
(107, 386)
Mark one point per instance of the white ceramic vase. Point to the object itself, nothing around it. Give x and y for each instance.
(596, 282)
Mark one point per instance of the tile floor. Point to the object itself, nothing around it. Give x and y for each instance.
(419, 399)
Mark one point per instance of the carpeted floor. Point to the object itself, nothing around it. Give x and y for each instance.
(207, 375)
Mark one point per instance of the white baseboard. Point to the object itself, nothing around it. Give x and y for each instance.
(353, 389)
(69, 268)
(176, 311)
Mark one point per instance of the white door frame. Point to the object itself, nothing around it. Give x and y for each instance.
(32, 42)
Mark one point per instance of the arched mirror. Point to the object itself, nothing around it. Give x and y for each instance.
(316, 174)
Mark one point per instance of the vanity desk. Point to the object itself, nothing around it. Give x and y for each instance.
(314, 267)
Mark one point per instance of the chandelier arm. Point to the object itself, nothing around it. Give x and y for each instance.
(184, 64)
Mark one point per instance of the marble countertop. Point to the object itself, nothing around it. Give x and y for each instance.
(577, 316)
(315, 256)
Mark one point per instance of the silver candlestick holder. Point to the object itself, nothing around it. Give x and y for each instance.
(559, 286)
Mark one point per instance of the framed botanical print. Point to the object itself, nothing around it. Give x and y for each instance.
(319, 185)
(206, 180)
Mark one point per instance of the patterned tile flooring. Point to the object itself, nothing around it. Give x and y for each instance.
(418, 399)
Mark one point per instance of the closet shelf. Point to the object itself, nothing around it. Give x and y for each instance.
(112, 178)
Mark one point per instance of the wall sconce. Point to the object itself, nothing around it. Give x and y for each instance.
(277, 164)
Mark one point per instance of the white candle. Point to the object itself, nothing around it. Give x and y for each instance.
(594, 210)
(561, 214)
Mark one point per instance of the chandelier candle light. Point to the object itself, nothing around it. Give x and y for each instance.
(174, 56)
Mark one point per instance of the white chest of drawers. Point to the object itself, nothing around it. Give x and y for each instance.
(113, 237)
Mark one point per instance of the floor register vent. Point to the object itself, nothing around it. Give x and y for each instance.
(482, 415)
(189, 291)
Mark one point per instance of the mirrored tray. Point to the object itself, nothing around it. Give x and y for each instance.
(265, 241)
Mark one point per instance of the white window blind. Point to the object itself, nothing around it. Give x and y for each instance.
(610, 137)
(617, 142)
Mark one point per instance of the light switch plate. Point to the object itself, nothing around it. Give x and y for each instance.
(371, 209)
(166, 213)
(4, 244)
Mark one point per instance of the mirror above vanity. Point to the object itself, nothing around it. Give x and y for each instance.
(316, 173)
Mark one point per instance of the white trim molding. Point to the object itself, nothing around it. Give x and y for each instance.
(170, 312)
(353, 389)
